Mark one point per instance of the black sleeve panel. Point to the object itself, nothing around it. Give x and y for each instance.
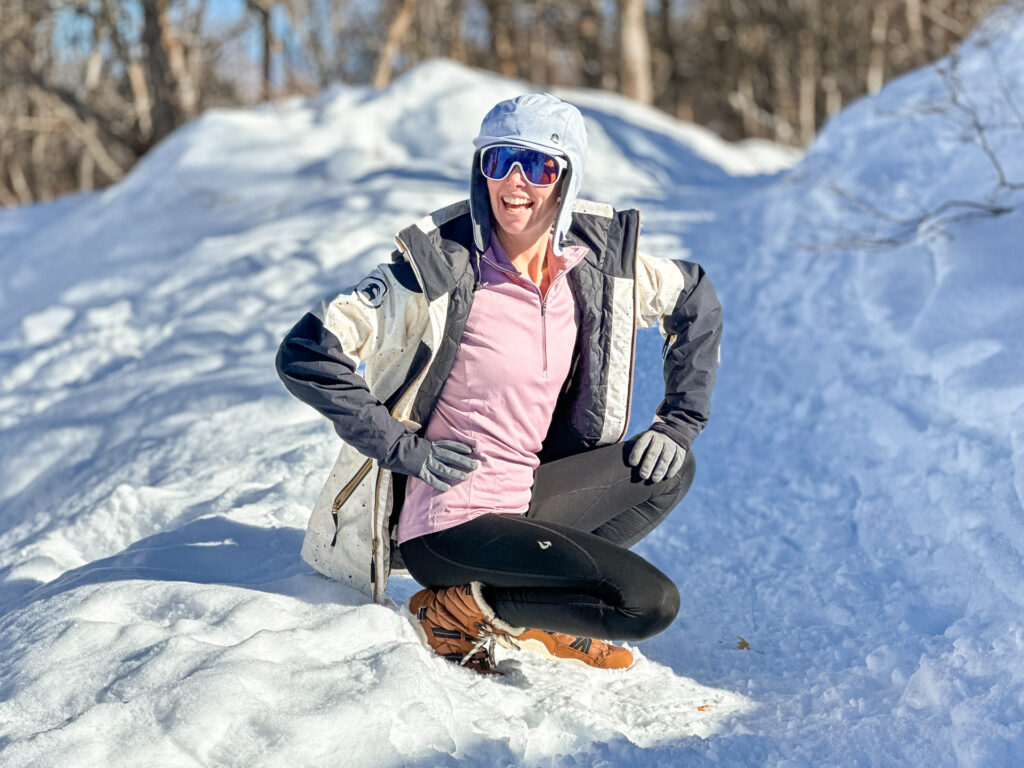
(315, 369)
(694, 333)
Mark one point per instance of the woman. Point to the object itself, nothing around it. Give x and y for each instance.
(482, 440)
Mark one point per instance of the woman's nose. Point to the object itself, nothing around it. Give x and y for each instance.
(516, 177)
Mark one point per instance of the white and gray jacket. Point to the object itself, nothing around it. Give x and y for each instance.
(403, 322)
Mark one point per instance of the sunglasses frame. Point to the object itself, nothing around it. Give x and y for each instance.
(559, 161)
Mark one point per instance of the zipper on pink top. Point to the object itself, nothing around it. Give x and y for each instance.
(518, 280)
(544, 307)
(544, 330)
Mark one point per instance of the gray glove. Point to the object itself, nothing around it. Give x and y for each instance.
(657, 455)
(443, 467)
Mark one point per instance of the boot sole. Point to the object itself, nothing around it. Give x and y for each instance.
(536, 646)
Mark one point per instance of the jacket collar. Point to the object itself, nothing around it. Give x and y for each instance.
(442, 250)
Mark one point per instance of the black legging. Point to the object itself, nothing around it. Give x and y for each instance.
(565, 566)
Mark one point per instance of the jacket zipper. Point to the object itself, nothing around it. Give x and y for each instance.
(346, 492)
(376, 539)
(636, 330)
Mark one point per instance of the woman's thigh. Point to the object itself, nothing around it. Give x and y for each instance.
(510, 550)
(600, 492)
(546, 575)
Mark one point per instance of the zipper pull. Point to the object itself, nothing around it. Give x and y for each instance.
(543, 308)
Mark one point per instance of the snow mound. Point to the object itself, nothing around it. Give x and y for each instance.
(156, 477)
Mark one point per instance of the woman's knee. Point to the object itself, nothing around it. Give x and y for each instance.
(655, 608)
(680, 482)
(670, 491)
(689, 469)
(665, 608)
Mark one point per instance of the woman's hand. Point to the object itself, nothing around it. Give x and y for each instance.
(658, 456)
(448, 464)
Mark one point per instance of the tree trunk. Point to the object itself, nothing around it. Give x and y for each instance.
(396, 33)
(670, 98)
(268, 51)
(915, 28)
(187, 88)
(263, 10)
(19, 183)
(808, 87)
(879, 29)
(833, 96)
(784, 111)
(38, 170)
(635, 52)
(133, 69)
(165, 113)
(501, 37)
(140, 95)
(457, 48)
(589, 49)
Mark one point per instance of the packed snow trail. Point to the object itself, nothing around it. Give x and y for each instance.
(850, 555)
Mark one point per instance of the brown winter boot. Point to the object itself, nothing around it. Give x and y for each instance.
(579, 650)
(459, 624)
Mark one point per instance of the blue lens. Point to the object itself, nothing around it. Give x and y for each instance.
(539, 168)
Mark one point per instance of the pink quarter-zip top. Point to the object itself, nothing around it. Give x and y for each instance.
(511, 363)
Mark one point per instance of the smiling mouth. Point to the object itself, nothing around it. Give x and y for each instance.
(516, 203)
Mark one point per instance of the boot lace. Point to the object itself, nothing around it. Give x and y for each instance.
(486, 640)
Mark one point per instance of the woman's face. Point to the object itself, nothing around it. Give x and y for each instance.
(521, 209)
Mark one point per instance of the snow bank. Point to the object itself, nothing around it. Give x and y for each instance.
(867, 435)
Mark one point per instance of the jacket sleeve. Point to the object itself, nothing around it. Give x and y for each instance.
(318, 362)
(680, 297)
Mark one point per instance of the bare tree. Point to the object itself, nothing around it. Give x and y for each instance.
(779, 68)
(635, 52)
(165, 111)
(887, 226)
(78, 117)
(397, 29)
(262, 10)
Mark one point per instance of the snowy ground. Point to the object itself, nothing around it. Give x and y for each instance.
(858, 514)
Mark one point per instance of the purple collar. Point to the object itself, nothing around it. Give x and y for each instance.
(497, 267)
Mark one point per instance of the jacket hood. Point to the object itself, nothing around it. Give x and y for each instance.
(537, 121)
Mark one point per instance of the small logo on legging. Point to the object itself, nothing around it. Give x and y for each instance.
(544, 544)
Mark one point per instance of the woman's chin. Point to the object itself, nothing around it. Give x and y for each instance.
(518, 226)
(511, 229)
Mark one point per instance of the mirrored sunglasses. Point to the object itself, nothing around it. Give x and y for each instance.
(538, 168)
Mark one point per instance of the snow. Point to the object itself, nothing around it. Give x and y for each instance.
(856, 517)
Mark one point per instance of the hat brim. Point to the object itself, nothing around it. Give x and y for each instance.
(482, 142)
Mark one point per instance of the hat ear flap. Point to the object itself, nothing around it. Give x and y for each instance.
(479, 205)
(563, 218)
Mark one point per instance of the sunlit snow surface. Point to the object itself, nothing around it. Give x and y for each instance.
(857, 515)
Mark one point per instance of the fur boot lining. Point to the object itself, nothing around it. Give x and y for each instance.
(488, 612)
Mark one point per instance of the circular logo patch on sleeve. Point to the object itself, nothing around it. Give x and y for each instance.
(371, 290)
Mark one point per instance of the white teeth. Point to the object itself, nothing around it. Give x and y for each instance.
(515, 200)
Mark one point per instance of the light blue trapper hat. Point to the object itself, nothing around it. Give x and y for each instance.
(537, 121)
